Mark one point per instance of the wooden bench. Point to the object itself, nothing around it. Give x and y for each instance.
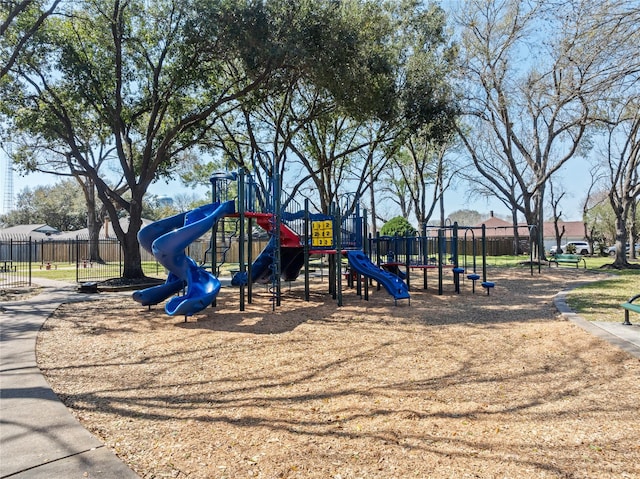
(568, 259)
(630, 306)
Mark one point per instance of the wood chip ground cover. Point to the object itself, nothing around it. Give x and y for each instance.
(451, 386)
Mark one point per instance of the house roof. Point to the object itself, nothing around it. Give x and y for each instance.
(106, 231)
(34, 231)
(572, 229)
(494, 222)
(496, 227)
(44, 231)
(499, 228)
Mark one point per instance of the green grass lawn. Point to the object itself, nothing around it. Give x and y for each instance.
(60, 274)
(67, 272)
(597, 301)
(600, 301)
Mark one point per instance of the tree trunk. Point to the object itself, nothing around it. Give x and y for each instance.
(132, 256)
(441, 202)
(634, 230)
(94, 219)
(620, 261)
(374, 227)
(539, 214)
(94, 224)
(531, 218)
(516, 233)
(129, 241)
(559, 234)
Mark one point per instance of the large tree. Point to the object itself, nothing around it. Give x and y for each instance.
(38, 148)
(532, 71)
(623, 168)
(319, 131)
(420, 173)
(556, 193)
(340, 146)
(336, 135)
(20, 23)
(158, 75)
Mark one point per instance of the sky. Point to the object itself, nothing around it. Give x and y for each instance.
(575, 181)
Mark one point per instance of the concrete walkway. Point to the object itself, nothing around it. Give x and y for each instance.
(623, 336)
(39, 438)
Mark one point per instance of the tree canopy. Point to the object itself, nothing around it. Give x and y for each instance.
(153, 79)
(526, 119)
(399, 226)
(21, 21)
(60, 206)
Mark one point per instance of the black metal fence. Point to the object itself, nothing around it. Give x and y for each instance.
(22, 257)
(16, 260)
(87, 270)
(428, 247)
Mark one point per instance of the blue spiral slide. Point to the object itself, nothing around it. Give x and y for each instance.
(167, 240)
(363, 265)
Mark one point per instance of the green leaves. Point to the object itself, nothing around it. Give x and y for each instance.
(399, 226)
(60, 206)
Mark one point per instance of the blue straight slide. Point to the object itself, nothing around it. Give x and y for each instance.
(292, 260)
(169, 249)
(260, 267)
(363, 265)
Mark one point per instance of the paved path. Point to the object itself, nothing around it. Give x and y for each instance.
(625, 337)
(39, 438)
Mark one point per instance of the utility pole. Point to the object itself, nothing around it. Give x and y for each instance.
(7, 187)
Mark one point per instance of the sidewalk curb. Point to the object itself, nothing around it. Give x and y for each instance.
(624, 337)
(39, 437)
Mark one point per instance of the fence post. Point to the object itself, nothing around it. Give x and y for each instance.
(29, 254)
(77, 259)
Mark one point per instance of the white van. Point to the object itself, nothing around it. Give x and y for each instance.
(581, 247)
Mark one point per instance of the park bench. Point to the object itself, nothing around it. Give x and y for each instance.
(568, 259)
(630, 306)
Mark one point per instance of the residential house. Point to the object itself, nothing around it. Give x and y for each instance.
(35, 232)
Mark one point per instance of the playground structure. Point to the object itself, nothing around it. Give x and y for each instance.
(239, 204)
(438, 249)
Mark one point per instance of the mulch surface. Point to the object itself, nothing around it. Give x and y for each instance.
(450, 386)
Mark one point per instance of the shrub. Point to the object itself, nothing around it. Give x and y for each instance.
(398, 226)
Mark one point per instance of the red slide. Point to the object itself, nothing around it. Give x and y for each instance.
(288, 237)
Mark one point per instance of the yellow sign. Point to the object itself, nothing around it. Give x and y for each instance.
(322, 233)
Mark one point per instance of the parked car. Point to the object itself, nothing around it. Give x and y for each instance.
(611, 250)
(581, 247)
